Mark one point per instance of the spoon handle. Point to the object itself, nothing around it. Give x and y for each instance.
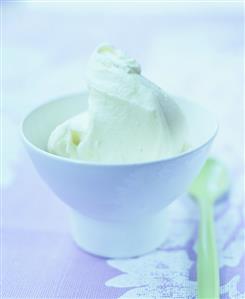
(207, 264)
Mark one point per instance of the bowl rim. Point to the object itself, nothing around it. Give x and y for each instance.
(101, 164)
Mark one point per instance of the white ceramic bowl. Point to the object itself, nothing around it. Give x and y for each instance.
(117, 210)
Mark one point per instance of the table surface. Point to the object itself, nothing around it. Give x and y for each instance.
(193, 51)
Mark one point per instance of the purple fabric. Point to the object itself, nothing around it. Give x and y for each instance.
(40, 260)
(49, 265)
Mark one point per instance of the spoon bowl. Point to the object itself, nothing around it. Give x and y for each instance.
(212, 182)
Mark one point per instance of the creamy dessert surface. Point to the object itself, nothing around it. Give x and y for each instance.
(129, 118)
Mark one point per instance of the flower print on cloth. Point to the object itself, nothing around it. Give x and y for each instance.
(169, 272)
(161, 274)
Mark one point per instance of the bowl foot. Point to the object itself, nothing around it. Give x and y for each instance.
(119, 239)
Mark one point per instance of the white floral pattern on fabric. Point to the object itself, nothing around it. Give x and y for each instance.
(162, 274)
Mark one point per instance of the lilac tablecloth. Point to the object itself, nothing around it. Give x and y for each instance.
(40, 259)
(194, 52)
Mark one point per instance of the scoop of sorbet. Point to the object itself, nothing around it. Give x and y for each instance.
(129, 119)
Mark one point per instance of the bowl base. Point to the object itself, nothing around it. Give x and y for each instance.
(119, 239)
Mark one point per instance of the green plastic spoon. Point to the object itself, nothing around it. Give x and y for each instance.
(212, 182)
